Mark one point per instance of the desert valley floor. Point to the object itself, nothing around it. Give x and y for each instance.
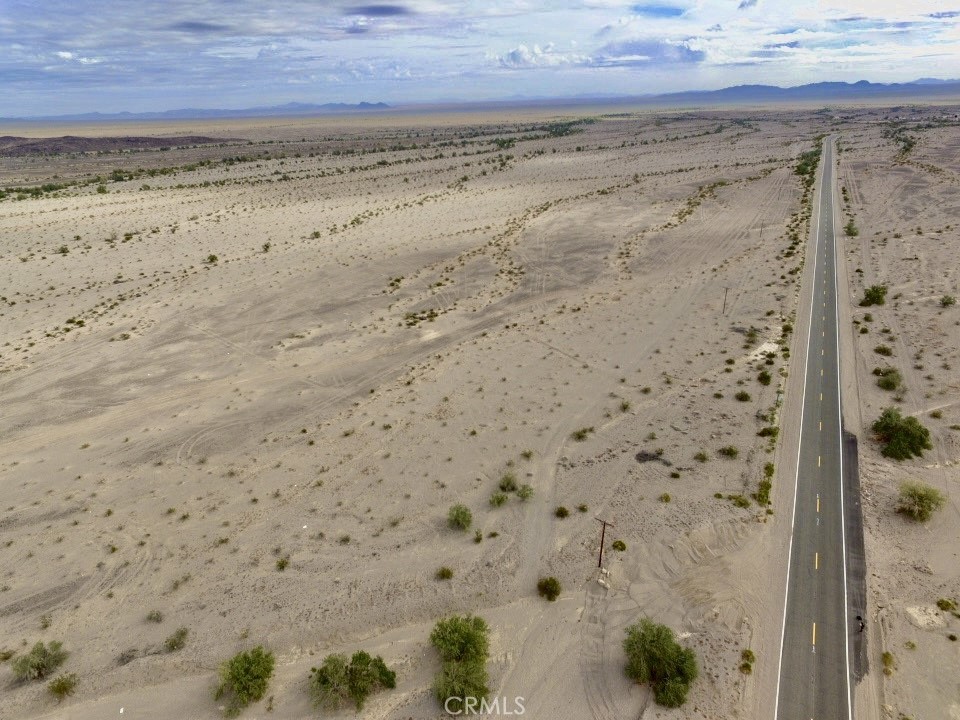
(244, 376)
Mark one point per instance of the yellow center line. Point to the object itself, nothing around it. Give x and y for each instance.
(818, 461)
(821, 426)
(814, 633)
(818, 502)
(816, 561)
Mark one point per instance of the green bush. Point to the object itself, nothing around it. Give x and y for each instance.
(549, 587)
(888, 378)
(463, 644)
(444, 573)
(459, 517)
(561, 512)
(619, 545)
(177, 641)
(581, 434)
(919, 501)
(62, 686)
(461, 637)
(459, 680)
(947, 301)
(497, 499)
(525, 492)
(337, 682)
(728, 451)
(764, 377)
(874, 295)
(883, 350)
(40, 661)
(903, 437)
(701, 457)
(850, 229)
(244, 678)
(655, 657)
(508, 483)
(742, 396)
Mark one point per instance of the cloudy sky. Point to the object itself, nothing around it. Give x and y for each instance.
(65, 56)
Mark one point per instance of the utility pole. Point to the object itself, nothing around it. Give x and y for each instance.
(603, 534)
(724, 311)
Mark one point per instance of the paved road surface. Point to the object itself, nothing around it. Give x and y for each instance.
(814, 680)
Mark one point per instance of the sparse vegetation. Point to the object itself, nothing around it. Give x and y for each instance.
(338, 681)
(444, 573)
(619, 545)
(155, 616)
(244, 678)
(63, 686)
(889, 662)
(561, 512)
(902, 437)
(874, 295)
(40, 661)
(463, 644)
(581, 434)
(947, 301)
(498, 498)
(459, 517)
(919, 501)
(177, 641)
(728, 451)
(655, 657)
(525, 492)
(888, 378)
(549, 588)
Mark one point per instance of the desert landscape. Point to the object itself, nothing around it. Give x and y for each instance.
(248, 366)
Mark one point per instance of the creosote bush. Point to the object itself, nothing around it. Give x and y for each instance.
(874, 295)
(919, 501)
(549, 588)
(525, 492)
(459, 517)
(62, 686)
(177, 641)
(338, 682)
(619, 545)
(655, 657)
(40, 661)
(561, 512)
(902, 437)
(463, 644)
(244, 678)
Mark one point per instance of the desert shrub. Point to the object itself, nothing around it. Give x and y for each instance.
(561, 512)
(461, 637)
(946, 604)
(498, 498)
(850, 230)
(701, 457)
(244, 678)
(619, 545)
(919, 501)
(459, 517)
(728, 451)
(212, 259)
(581, 434)
(889, 663)
(902, 437)
(665, 498)
(337, 682)
(40, 661)
(874, 295)
(464, 645)
(155, 616)
(947, 301)
(763, 492)
(764, 377)
(770, 431)
(742, 396)
(739, 500)
(444, 573)
(768, 470)
(549, 588)
(176, 641)
(655, 657)
(883, 350)
(508, 483)
(525, 492)
(62, 686)
(459, 680)
(888, 378)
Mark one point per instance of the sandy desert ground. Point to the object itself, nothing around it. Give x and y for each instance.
(243, 382)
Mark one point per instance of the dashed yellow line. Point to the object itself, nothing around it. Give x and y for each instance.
(814, 633)
(816, 561)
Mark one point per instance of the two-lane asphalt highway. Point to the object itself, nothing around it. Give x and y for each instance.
(814, 676)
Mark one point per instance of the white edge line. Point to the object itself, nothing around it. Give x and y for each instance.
(803, 400)
(843, 523)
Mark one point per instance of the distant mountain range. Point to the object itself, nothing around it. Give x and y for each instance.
(290, 109)
(928, 88)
